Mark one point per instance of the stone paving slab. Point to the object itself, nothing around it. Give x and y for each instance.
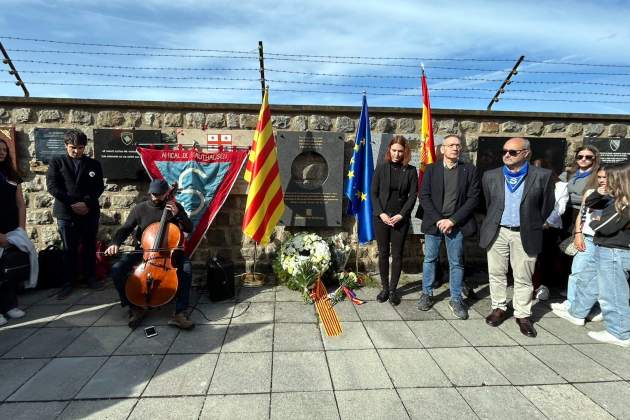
(567, 332)
(201, 339)
(253, 312)
(60, 379)
(444, 310)
(346, 311)
(435, 403)
(300, 371)
(182, 374)
(370, 404)
(16, 372)
(357, 369)
(183, 408)
(297, 337)
(294, 312)
(376, 311)
(466, 367)
(500, 402)
(519, 366)
(46, 342)
(391, 334)
(11, 337)
(37, 316)
(354, 336)
(438, 333)
(304, 406)
(242, 373)
(478, 333)
(121, 376)
(98, 409)
(248, 338)
(543, 336)
(410, 368)
(215, 313)
(138, 343)
(611, 396)
(97, 341)
(563, 401)
(564, 359)
(257, 294)
(614, 358)
(32, 410)
(236, 407)
(410, 312)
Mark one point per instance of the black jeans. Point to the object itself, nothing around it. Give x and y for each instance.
(8, 296)
(74, 233)
(122, 268)
(390, 237)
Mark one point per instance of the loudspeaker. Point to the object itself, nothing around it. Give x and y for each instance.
(220, 280)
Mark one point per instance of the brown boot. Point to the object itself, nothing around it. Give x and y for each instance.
(136, 315)
(180, 320)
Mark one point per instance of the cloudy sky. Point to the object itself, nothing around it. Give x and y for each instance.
(325, 52)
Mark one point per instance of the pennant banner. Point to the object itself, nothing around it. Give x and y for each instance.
(205, 180)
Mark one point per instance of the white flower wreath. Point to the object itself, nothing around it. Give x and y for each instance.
(304, 248)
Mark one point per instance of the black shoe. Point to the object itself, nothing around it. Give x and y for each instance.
(394, 298)
(526, 327)
(383, 296)
(64, 292)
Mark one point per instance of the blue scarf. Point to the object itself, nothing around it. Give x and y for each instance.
(514, 180)
(580, 175)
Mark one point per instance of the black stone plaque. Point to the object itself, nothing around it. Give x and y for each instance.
(115, 149)
(612, 150)
(311, 169)
(49, 143)
(553, 150)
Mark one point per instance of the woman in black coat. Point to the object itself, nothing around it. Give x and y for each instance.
(394, 192)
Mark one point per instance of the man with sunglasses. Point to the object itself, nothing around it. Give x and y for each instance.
(519, 198)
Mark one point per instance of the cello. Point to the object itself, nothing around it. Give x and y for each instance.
(154, 282)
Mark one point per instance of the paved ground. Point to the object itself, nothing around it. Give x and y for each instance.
(263, 356)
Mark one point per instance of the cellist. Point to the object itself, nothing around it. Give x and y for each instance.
(141, 216)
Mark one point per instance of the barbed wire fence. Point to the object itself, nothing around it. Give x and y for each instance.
(92, 66)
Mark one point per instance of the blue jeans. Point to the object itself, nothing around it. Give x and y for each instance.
(455, 253)
(122, 268)
(614, 293)
(582, 290)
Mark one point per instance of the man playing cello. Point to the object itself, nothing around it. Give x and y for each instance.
(141, 216)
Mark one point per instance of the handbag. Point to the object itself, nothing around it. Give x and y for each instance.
(568, 246)
(14, 265)
(50, 264)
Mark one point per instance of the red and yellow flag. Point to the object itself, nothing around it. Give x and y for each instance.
(427, 145)
(265, 200)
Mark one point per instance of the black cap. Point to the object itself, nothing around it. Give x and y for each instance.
(158, 187)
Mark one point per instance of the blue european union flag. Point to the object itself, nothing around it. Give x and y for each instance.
(359, 180)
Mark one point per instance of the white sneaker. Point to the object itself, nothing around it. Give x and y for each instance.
(563, 313)
(596, 318)
(606, 337)
(559, 306)
(16, 313)
(3, 320)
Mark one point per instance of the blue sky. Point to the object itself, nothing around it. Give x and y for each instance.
(562, 41)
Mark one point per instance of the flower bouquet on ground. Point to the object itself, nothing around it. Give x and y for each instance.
(349, 281)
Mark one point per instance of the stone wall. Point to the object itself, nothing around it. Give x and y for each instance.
(225, 236)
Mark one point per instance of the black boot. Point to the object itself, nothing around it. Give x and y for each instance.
(383, 296)
(394, 298)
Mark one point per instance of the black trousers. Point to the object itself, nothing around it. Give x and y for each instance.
(8, 296)
(74, 233)
(390, 241)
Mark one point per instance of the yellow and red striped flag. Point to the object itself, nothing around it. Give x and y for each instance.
(427, 145)
(265, 200)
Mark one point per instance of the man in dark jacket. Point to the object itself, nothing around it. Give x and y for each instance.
(76, 182)
(449, 195)
(519, 198)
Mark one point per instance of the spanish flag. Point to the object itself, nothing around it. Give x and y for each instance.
(265, 200)
(427, 145)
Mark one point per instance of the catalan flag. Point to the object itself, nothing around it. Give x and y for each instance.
(359, 182)
(265, 200)
(427, 145)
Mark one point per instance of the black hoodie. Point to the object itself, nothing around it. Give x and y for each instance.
(612, 229)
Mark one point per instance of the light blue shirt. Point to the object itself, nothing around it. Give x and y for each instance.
(512, 210)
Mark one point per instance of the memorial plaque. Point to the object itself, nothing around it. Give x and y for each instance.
(311, 169)
(49, 143)
(612, 150)
(115, 149)
(553, 150)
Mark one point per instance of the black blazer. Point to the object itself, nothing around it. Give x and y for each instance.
(536, 205)
(407, 190)
(68, 188)
(432, 198)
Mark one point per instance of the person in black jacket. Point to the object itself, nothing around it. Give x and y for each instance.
(394, 191)
(142, 215)
(76, 182)
(449, 195)
(612, 253)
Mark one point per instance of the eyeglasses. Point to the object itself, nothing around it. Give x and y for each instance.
(587, 157)
(512, 152)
